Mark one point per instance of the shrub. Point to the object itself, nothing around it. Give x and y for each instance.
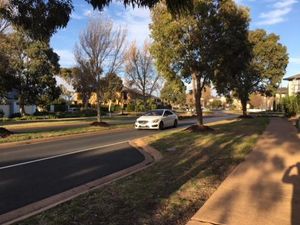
(1, 113)
(216, 104)
(116, 108)
(291, 105)
(15, 115)
(60, 108)
(38, 113)
(131, 107)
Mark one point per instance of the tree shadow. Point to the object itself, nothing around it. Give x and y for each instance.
(160, 195)
(263, 191)
(294, 179)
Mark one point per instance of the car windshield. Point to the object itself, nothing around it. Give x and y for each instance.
(155, 113)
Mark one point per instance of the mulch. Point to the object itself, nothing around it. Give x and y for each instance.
(4, 132)
(246, 117)
(100, 124)
(199, 129)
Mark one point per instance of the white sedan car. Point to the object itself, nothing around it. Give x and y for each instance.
(157, 119)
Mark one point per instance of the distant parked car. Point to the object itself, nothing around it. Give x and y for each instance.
(157, 119)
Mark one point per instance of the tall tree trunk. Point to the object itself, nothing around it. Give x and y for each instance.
(85, 101)
(274, 104)
(135, 106)
(244, 106)
(197, 97)
(86, 104)
(122, 106)
(99, 118)
(144, 102)
(109, 107)
(22, 106)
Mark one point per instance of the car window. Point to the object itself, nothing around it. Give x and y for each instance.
(168, 113)
(154, 113)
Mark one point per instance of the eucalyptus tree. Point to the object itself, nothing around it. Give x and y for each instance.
(100, 51)
(174, 92)
(191, 46)
(40, 19)
(33, 65)
(263, 73)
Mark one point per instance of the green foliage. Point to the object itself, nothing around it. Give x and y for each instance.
(33, 65)
(138, 105)
(216, 104)
(173, 92)
(151, 104)
(131, 107)
(116, 108)
(40, 19)
(291, 105)
(173, 5)
(193, 46)
(6, 80)
(60, 107)
(266, 60)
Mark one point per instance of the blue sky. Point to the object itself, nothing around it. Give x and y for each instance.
(279, 16)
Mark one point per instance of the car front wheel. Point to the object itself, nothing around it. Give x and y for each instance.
(161, 125)
(175, 123)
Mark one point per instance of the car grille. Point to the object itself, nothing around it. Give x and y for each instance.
(143, 122)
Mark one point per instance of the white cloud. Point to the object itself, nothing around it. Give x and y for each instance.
(285, 3)
(295, 60)
(93, 13)
(88, 12)
(136, 21)
(76, 16)
(66, 57)
(279, 12)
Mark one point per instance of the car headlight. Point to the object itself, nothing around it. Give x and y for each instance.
(155, 121)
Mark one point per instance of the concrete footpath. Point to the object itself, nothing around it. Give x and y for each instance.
(265, 188)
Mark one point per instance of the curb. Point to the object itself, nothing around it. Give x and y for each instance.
(141, 145)
(151, 156)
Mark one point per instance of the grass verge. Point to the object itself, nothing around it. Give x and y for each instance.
(173, 189)
(31, 135)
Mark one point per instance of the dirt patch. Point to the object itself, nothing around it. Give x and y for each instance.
(198, 128)
(100, 124)
(4, 132)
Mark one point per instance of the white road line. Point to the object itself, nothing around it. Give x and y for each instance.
(61, 155)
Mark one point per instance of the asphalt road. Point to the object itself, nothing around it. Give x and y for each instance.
(32, 172)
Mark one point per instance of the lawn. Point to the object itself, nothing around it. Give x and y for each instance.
(31, 135)
(170, 191)
(25, 130)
